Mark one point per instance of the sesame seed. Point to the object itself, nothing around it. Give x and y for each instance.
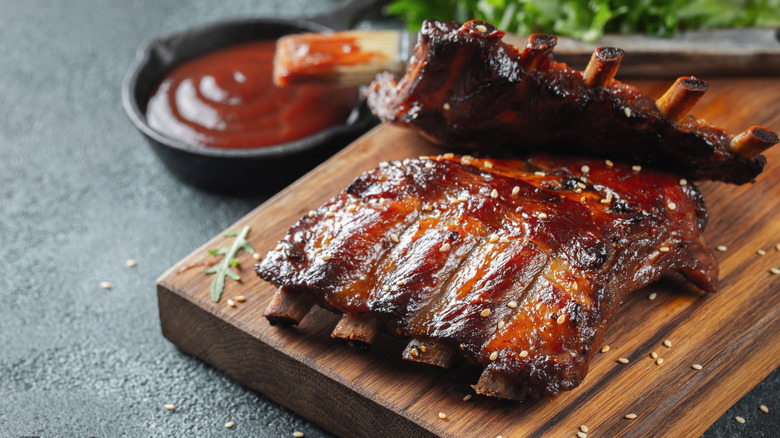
(636, 168)
(667, 343)
(383, 164)
(106, 285)
(561, 319)
(353, 207)
(494, 194)
(466, 159)
(297, 434)
(740, 420)
(385, 288)
(318, 250)
(446, 106)
(484, 312)
(448, 155)
(609, 163)
(231, 303)
(493, 238)
(463, 198)
(397, 164)
(414, 352)
(169, 406)
(399, 282)
(524, 353)
(542, 215)
(481, 27)
(407, 161)
(423, 348)
(622, 360)
(504, 239)
(659, 361)
(585, 169)
(256, 256)
(130, 263)
(442, 415)
(583, 200)
(445, 247)
(500, 325)
(494, 355)
(394, 237)
(584, 428)
(488, 164)
(538, 173)
(721, 248)
(582, 434)
(671, 206)
(279, 247)
(429, 165)
(654, 355)
(764, 409)
(326, 257)
(581, 185)
(467, 397)
(516, 190)
(652, 296)
(663, 249)
(630, 416)
(333, 208)
(696, 367)
(512, 304)
(605, 348)
(240, 298)
(329, 214)
(311, 213)
(683, 182)
(627, 111)
(777, 247)
(774, 271)
(382, 202)
(761, 252)
(229, 424)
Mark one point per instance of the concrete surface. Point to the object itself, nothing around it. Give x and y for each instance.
(80, 193)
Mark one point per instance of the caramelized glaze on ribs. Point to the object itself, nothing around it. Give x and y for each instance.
(518, 266)
(466, 88)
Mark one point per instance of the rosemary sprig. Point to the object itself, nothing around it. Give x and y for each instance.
(222, 268)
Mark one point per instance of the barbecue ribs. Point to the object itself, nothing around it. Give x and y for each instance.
(465, 88)
(516, 265)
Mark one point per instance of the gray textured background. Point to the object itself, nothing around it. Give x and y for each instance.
(80, 193)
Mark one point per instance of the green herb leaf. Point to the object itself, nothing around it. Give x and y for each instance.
(222, 269)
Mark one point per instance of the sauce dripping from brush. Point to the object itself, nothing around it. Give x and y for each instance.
(227, 99)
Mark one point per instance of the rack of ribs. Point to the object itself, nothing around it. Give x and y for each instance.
(517, 266)
(465, 88)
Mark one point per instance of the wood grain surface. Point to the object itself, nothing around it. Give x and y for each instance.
(733, 335)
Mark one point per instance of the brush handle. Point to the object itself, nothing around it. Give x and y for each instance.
(349, 13)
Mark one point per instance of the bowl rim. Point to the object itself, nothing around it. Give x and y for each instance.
(145, 54)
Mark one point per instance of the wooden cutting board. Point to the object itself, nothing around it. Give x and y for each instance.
(734, 335)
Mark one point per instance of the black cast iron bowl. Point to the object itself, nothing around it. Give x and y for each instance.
(254, 170)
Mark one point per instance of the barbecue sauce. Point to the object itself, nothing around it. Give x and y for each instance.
(227, 99)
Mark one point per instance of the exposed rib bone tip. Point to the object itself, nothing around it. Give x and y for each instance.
(497, 385)
(429, 351)
(753, 141)
(358, 329)
(537, 49)
(288, 306)
(603, 66)
(681, 97)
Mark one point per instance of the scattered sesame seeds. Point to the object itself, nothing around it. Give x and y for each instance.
(169, 406)
(764, 409)
(683, 182)
(636, 168)
(627, 111)
(630, 416)
(494, 194)
(442, 415)
(561, 319)
(696, 367)
(466, 159)
(297, 434)
(538, 173)
(493, 238)
(583, 199)
(582, 434)
(605, 348)
(231, 303)
(279, 247)
(423, 348)
(311, 213)
(449, 155)
(256, 256)
(333, 208)
(777, 247)
(240, 298)
(383, 164)
(504, 239)
(229, 424)
(659, 361)
(512, 304)
(385, 288)
(584, 428)
(488, 165)
(542, 215)
(329, 214)
(407, 161)
(394, 237)
(106, 285)
(515, 190)
(652, 296)
(414, 352)
(429, 165)
(739, 419)
(581, 185)
(467, 397)
(445, 247)
(761, 252)
(494, 355)
(774, 271)
(654, 355)
(399, 283)
(463, 198)
(446, 106)
(481, 27)
(622, 360)
(318, 250)
(671, 206)
(500, 325)
(524, 353)
(667, 343)
(131, 263)
(721, 248)
(326, 257)
(585, 168)
(609, 163)
(352, 207)
(484, 312)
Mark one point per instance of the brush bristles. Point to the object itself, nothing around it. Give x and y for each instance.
(340, 58)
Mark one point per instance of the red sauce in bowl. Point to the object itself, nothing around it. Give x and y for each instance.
(227, 99)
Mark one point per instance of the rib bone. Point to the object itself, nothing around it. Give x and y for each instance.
(429, 351)
(536, 50)
(753, 141)
(602, 67)
(358, 329)
(681, 97)
(493, 384)
(288, 306)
